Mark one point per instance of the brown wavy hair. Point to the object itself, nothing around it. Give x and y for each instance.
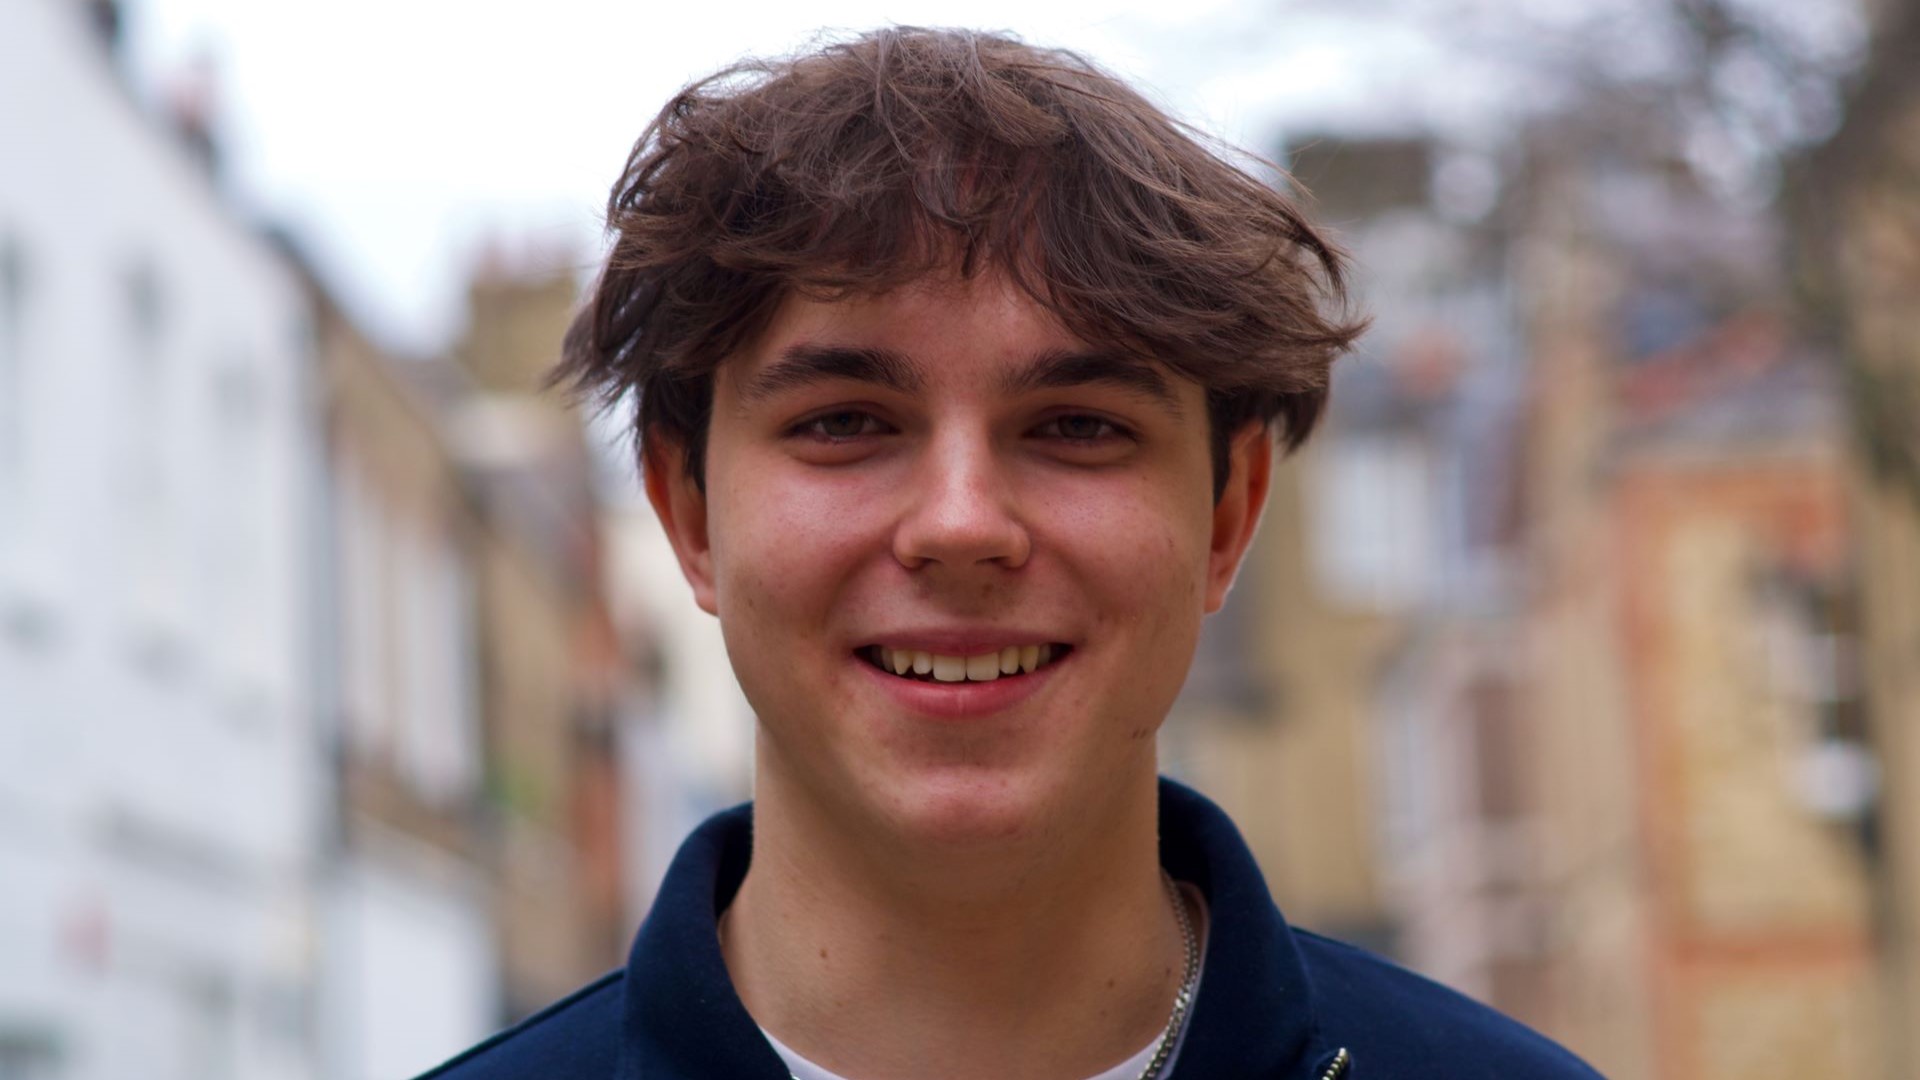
(904, 152)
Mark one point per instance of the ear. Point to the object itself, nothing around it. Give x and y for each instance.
(682, 509)
(1237, 513)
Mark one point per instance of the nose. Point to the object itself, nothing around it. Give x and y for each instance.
(962, 511)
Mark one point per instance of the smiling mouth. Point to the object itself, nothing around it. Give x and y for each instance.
(1012, 662)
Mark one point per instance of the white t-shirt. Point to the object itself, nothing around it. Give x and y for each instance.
(803, 1069)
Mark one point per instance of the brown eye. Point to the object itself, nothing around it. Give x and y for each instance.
(840, 426)
(1083, 428)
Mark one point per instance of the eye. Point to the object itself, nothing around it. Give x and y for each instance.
(840, 425)
(1082, 428)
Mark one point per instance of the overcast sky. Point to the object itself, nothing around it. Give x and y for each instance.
(396, 136)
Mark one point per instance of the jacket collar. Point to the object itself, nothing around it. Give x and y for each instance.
(1252, 1018)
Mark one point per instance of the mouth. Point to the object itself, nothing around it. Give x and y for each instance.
(918, 665)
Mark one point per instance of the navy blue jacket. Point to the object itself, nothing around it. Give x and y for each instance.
(1276, 1003)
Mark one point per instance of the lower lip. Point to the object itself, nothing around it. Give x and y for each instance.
(962, 700)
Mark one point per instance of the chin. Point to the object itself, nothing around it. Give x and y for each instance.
(970, 806)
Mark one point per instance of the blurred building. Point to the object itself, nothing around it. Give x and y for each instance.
(555, 690)
(1326, 705)
(1579, 661)
(687, 743)
(1699, 770)
(411, 962)
(1858, 224)
(311, 697)
(480, 857)
(1413, 520)
(159, 773)
(687, 747)
(1541, 676)
(1273, 722)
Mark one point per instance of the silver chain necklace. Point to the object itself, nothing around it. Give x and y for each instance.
(1183, 1000)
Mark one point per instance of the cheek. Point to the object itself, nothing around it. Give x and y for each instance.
(785, 551)
(1142, 557)
(1152, 542)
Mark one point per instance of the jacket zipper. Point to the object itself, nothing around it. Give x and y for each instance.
(1337, 1068)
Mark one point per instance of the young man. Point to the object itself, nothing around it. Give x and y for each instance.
(959, 370)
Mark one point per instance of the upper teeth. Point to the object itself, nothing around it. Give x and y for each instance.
(985, 667)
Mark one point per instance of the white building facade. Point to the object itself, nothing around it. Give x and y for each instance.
(160, 777)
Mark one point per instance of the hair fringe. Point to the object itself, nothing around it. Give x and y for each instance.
(904, 152)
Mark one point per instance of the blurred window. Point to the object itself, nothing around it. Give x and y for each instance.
(13, 387)
(1410, 756)
(1499, 761)
(1656, 318)
(1804, 651)
(234, 548)
(408, 655)
(146, 498)
(364, 646)
(208, 1013)
(439, 748)
(1226, 678)
(29, 1054)
(1371, 521)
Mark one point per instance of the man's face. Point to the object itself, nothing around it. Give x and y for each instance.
(944, 477)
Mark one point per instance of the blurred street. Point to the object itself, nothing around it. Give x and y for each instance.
(351, 701)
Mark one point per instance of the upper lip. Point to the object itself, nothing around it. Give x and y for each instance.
(962, 641)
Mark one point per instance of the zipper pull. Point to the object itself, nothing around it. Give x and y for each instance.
(1337, 1067)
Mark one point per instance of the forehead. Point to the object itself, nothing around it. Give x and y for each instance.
(938, 334)
(972, 314)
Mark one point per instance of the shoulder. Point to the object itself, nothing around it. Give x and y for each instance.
(1398, 1023)
(577, 1037)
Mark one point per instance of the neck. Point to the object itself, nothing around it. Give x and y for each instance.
(1058, 957)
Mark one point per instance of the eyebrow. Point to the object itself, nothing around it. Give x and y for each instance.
(803, 365)
(1060, 368)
